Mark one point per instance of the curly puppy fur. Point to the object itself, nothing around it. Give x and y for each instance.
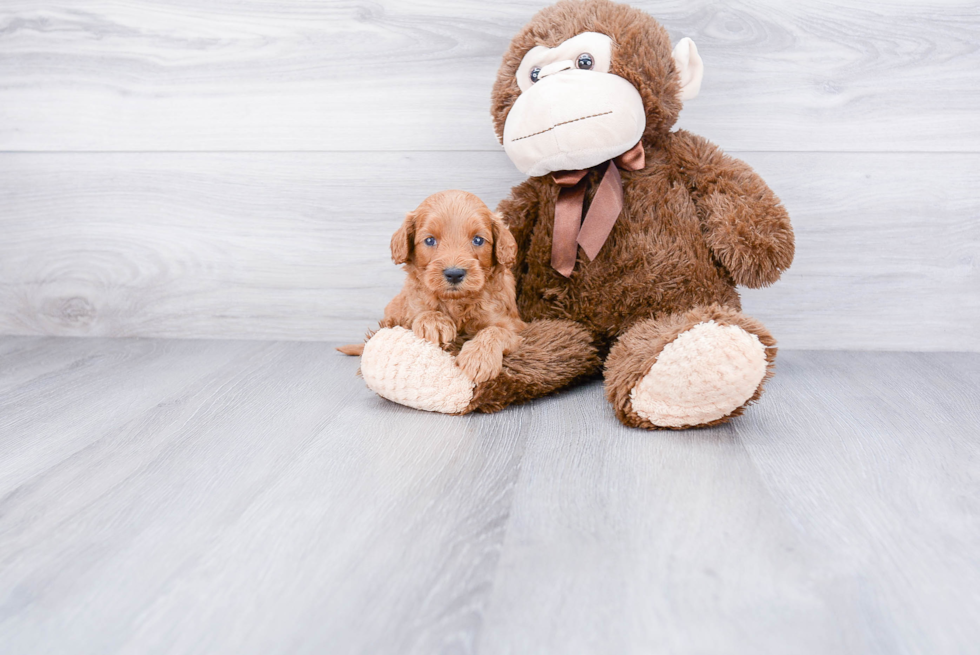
(695, 223)
(459, 291)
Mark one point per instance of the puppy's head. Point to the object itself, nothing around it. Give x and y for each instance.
(454, 242)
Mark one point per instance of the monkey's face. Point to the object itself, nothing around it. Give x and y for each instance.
(572, 112)
(583, 82)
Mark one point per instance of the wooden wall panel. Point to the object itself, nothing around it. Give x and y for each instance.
(182, 75)
(234, 168)
(295, 245)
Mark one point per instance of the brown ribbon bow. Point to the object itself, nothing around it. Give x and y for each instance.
(570, 230)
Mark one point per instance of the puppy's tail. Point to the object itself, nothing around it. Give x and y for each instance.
(357, 349)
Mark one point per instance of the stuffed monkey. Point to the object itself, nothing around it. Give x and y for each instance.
(631, 237)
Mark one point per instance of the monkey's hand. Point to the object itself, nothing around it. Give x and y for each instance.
(750, 236)
(744, 223)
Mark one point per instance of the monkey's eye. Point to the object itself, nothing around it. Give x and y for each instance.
(585, 61)
(534, 73)
(478, 241)
(430, 241)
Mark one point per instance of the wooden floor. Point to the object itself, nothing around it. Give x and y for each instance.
(166, 496)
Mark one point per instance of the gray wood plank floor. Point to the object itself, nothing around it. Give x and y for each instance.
(169, 496)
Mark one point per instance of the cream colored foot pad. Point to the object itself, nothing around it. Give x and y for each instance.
(701, 376)
(410, 371)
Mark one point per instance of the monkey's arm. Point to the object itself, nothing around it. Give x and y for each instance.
(520, 213)
(744, 223)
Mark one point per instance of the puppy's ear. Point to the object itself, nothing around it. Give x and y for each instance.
(403, 240)
(504, 245)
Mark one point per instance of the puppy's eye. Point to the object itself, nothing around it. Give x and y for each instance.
(585, 61)
(534, 73)
(478, 241)
(430, 241)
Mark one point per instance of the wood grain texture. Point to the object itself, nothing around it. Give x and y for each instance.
(253, 497)
(838, 516)
(295, 245)
(254, 474)
(262, 75)
(371, 106)
(900, 436)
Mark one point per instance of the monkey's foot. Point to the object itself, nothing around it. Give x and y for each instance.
(701, 377)
(410, 371)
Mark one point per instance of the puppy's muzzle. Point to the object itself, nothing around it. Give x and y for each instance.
(454, 275)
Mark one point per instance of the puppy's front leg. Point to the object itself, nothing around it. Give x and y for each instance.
(481, 358)
(435, 327)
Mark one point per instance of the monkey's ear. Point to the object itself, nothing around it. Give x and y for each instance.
(403, 240)
(690, 67)
(504, 244)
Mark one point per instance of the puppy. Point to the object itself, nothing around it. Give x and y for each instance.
(458, 255)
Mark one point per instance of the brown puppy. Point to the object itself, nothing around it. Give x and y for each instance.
(458, 255)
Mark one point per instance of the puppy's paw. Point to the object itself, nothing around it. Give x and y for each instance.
(479, 362)
(435, 327)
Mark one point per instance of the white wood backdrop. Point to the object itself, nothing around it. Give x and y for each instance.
(235, 168)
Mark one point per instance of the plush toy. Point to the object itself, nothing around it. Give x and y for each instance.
(631, 238)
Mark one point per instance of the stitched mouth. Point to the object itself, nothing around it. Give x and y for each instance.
(574, 120)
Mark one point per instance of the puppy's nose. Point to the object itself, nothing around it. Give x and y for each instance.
(454, 275)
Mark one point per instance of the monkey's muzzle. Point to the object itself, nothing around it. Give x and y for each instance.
(572, 120)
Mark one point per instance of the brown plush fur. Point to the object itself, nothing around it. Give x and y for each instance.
(552, 355)
(478, 315)
(695, 223)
